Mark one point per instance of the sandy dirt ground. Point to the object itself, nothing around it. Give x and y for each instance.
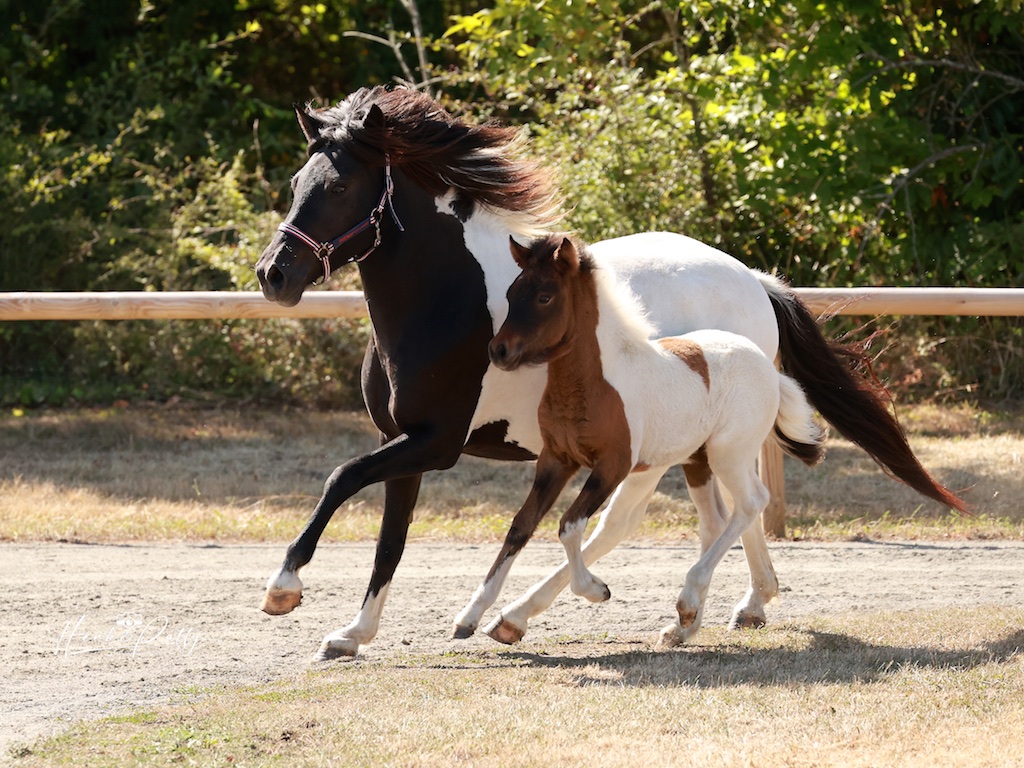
(93, 630)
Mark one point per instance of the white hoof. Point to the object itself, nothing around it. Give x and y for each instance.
(337, 646)
(595, 590)
(284, 593)
(674, 635)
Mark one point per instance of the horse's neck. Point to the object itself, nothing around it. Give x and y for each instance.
(485, 234)
(423, 280)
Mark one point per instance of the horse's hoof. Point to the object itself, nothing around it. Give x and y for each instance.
(670, 637)
(504, 631)
(743, 620)
(284, 593)
(337, 648)
(278, 602)
(461, 632)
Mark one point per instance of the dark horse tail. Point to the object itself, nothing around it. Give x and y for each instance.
(846, 401)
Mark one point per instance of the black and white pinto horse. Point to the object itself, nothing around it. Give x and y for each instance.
(425, 203)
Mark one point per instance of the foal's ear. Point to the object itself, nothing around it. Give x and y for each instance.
(519, 252)
(309, 124)
(374, 121)
(566, 257)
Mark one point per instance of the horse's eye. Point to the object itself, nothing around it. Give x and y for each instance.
(544, 299)
(337, 189)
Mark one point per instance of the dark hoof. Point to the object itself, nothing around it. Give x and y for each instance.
(746, 621)
(461, 633)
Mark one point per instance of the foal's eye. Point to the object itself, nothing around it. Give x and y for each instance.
(337, 189)
(544, 299)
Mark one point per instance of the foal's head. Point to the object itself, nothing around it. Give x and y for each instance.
(546, 303)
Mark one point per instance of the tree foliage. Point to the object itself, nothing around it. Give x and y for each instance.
(146, 144)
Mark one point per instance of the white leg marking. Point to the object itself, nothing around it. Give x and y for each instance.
(751, 497)
(622, 516)
(344, 643)
(468, 619)
(764, 584)
(583, 582)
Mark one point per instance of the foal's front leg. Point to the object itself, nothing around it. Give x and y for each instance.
(596, 490)
(548, 481)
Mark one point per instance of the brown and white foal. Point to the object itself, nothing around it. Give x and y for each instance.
(617, 403)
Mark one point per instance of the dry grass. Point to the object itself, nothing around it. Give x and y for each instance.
(895, 689)
(179, 473)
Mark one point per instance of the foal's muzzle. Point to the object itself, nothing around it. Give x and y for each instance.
(504, 353)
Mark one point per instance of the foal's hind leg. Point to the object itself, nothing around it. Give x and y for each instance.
(713, 514)
(764, 584)
(749, 497)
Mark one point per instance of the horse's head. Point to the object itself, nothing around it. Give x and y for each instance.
(340, 201)
(542, 304)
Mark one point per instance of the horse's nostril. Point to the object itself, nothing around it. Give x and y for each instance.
(275, 278)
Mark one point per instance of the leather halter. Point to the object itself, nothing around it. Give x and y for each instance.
(324, 250)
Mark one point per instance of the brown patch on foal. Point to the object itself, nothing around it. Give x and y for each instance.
(697, 469)
(582, 416)
(689, 352)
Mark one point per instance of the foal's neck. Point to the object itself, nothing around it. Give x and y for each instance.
(574, 375)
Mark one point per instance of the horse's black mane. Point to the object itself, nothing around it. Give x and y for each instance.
(440, 151)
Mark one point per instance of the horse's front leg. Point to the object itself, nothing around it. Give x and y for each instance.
(548, 481)
(573, 525)
(405, 456)
(400, 496)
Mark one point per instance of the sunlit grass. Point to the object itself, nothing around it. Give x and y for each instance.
(191, 474)
(896, 688)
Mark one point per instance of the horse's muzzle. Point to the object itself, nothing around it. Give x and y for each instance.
(274, 281)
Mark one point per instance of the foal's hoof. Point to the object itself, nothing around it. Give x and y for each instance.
(743, 620)
(596, 591)
(337, 648)
(673, 635)
(504, 631)
(278, 602)
(461, 632)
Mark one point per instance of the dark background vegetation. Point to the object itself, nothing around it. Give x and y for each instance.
(147, 144)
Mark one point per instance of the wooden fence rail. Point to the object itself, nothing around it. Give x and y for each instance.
(220, 305)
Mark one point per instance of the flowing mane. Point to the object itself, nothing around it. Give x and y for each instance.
(485, 164)
(624, 325)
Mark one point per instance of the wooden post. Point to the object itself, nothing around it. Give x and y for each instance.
(770, 468)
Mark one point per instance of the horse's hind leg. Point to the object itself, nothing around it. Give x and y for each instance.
(749, 498)
(620, 518)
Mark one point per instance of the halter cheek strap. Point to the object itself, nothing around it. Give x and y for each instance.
(324, 250)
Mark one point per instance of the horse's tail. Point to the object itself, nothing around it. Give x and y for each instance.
(848, 402)
(797, 432)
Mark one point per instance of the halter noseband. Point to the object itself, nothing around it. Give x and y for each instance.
(324, 250)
